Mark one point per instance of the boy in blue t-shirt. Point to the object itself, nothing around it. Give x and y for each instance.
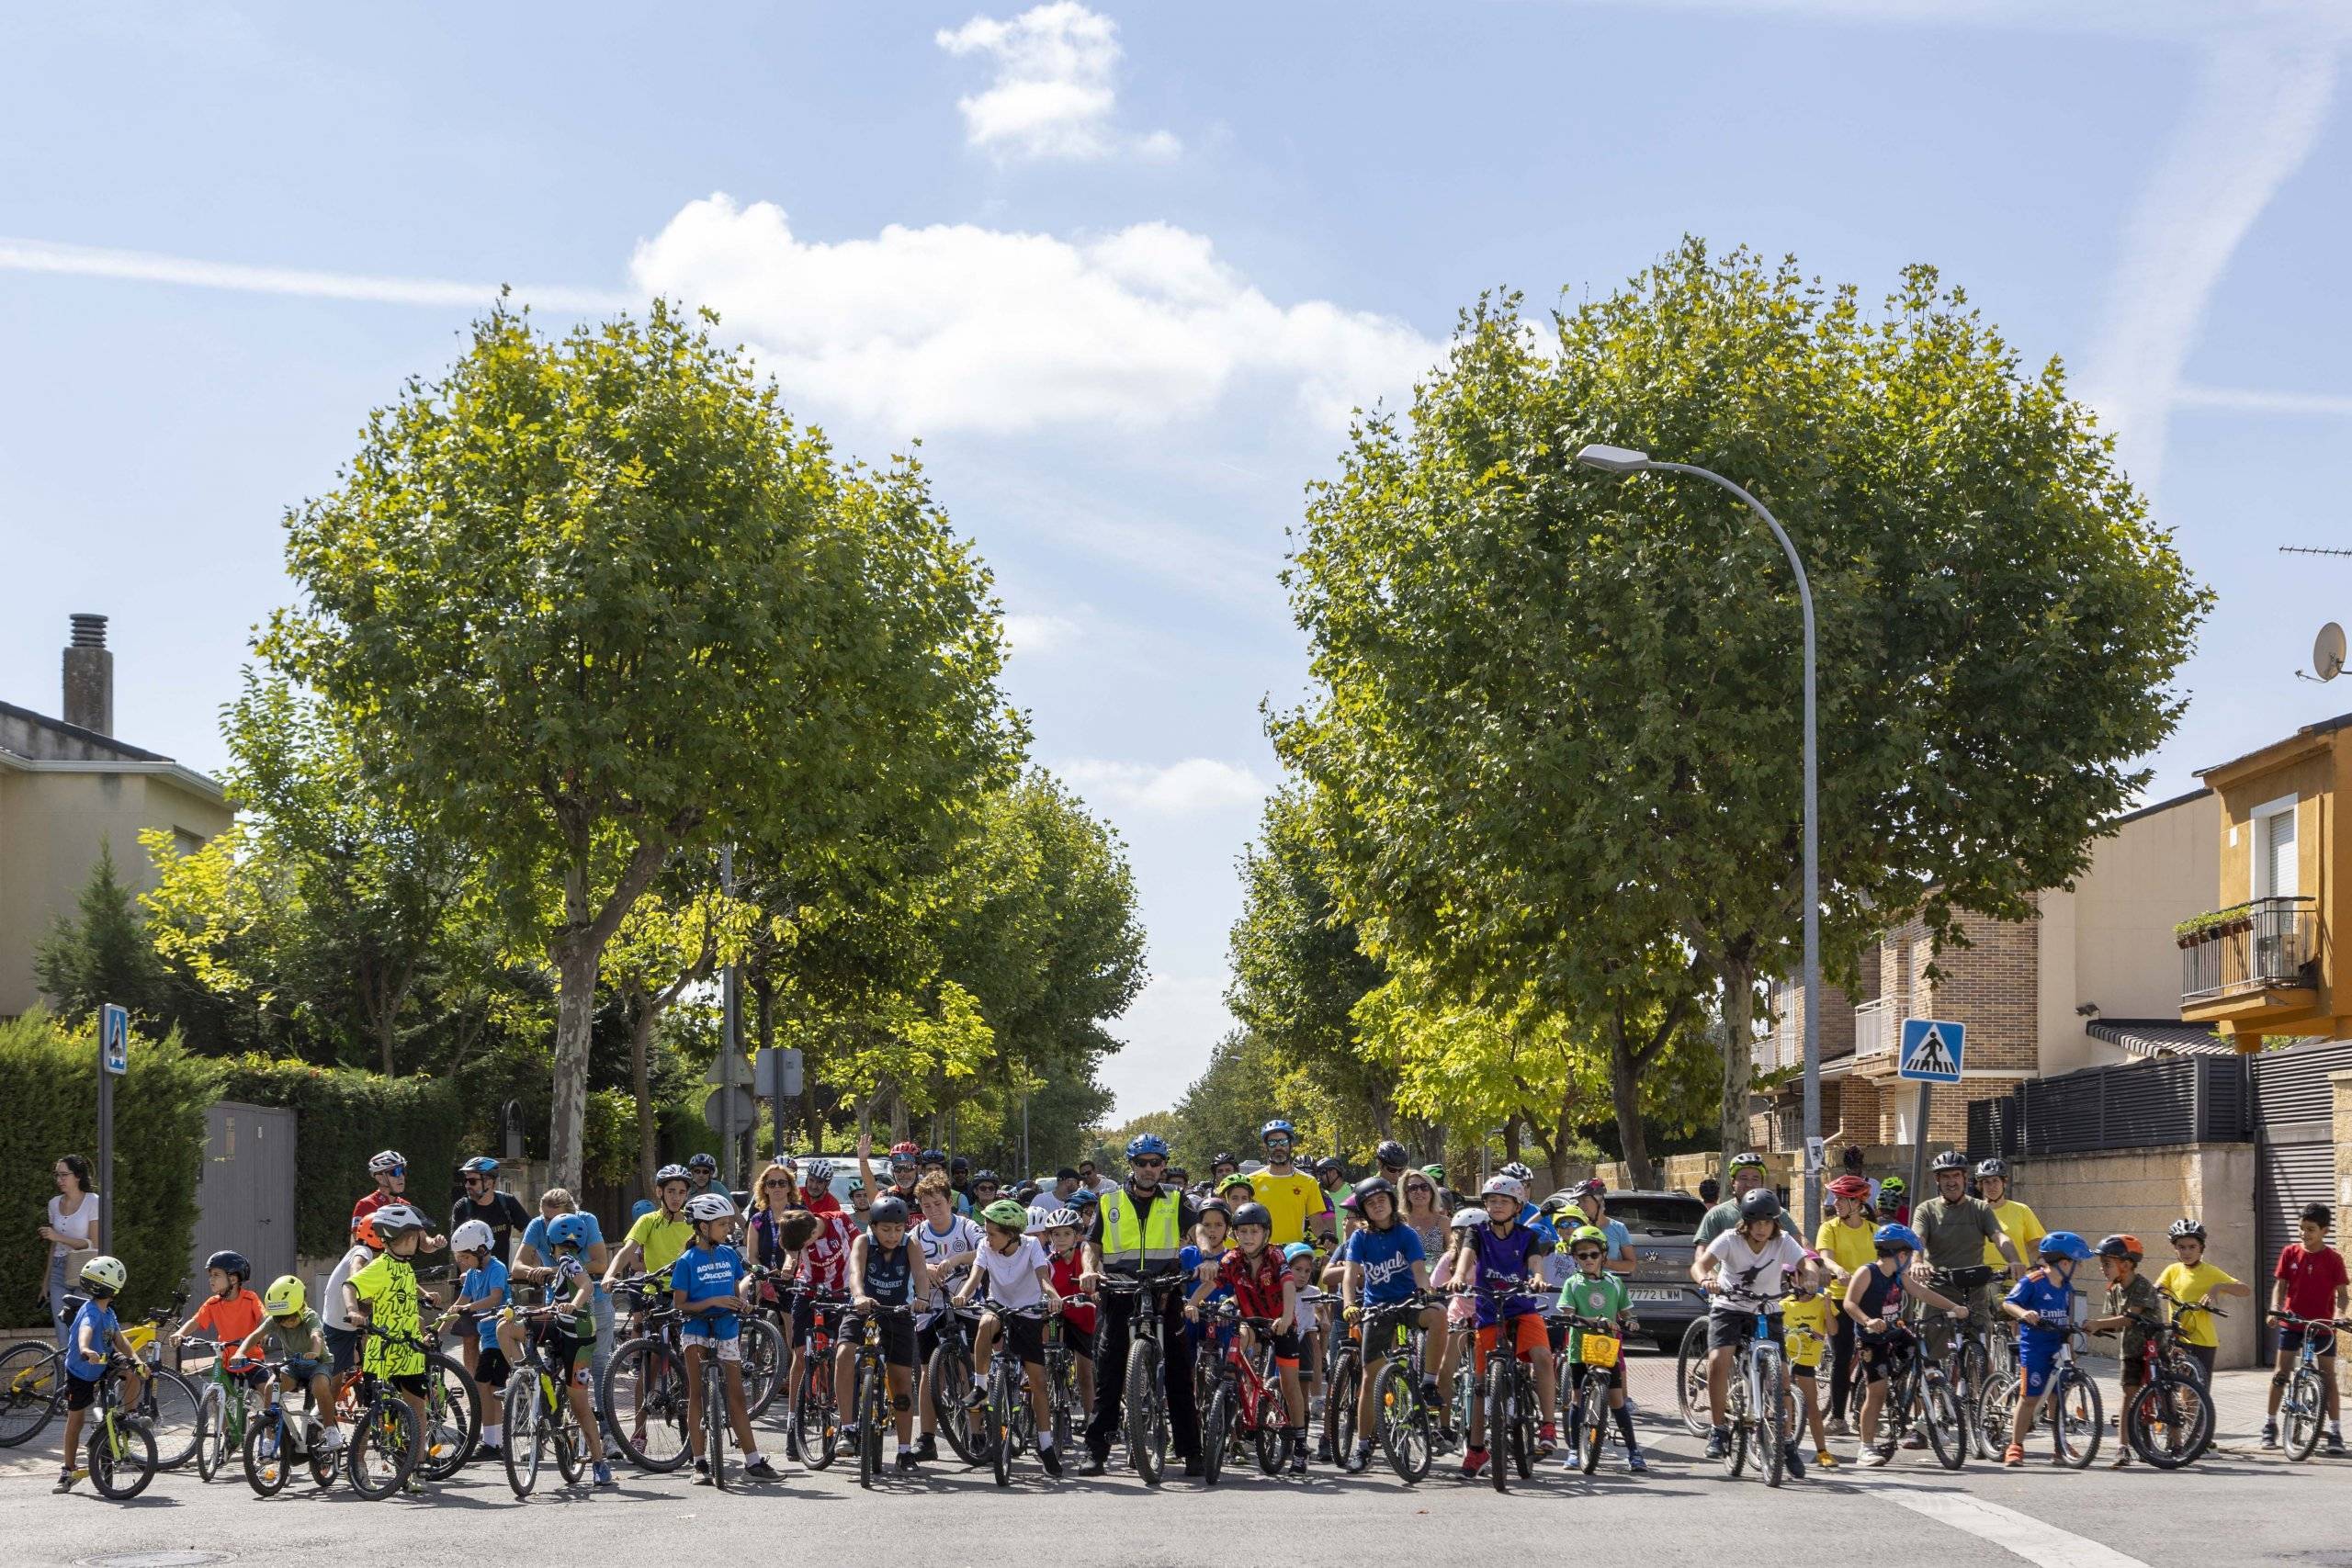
(95, 1332)
(481, 1295)
(703, 1285)
(2044, 1304)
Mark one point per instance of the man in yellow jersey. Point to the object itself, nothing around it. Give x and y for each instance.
(2023, 1226)
(1293, 1197)
(660, 1235)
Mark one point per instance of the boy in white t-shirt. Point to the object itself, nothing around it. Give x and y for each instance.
(1743, 1271)
(1018, 1274)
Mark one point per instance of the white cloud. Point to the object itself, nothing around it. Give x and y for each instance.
(1191, 787)
(955, 326)
(146, 266)
(1053, 95)
(2246, 401)
(1170, 1029)
(2259, 108)
(1039, 634)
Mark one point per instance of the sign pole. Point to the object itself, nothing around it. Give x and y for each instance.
(105, 1151)
(1920, 1147)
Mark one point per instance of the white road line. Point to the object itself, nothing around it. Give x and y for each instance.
(2044, 1545)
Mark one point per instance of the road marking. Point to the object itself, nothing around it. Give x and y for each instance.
(2045, 1545)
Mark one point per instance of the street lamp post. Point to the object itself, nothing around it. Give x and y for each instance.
(1621, 460)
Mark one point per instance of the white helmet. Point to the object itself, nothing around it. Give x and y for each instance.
(1055, 1219)
(104, 1273)
(386, 1162)
(1503, 1186)
(471, 1237)
(705, 1206)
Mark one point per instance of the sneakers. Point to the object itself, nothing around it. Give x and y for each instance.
(1915, 1439)
(1192, 1468)
(849, 1436)
(604, 1474)
(269, 1445)
(1322, 1450)
(1718, 1443)
(1547, 1438)
(1877, 1456)
(1362, 1460)
(2122, 1457)
(2015, 1458)
(1571, 1458)
(702, 1472)
(1793, 1459)
(1299, 1458)
(1636, 1463)
(1823, 1459)
(1836, 1426)
(330, 1440)
(2271, 1434)
(1051, 1459)
(927, 1448)
(758, 1467)
(1474, 1461)
(66, 1479)
(2335, 1441)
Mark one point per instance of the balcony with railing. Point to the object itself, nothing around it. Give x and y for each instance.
(1877, 1022)
(2252, 959)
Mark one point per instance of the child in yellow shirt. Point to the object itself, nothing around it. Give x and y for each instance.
(2190, 1282)
(1804, 1329)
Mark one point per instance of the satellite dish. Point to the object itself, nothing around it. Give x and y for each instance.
(2327, 651)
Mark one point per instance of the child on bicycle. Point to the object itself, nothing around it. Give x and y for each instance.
(384, 1295)
(2130, 1301)
(1059, 1230)
(2189, 1280)
(2309, 1283)
(568, 1333)
(703, 1286)
(1264, 1287)
(291, 1332)
(481, 1293)
(1019, 1276)
(1381, 1265)
(2044, 1304)
(1874, 1304)
(1594, 1294)
(1804, 1333)
(886, 1270)
(1504, 1248)
(94, 1333)
(231, 1312)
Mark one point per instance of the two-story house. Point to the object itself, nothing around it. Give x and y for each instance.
(2090, 979)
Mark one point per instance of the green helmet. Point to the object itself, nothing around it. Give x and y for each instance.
(1006, 1212)
(1435, 1173)
(1588, 1233)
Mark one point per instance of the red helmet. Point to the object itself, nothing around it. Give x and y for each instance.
(909, 1149)
(1853, 1187)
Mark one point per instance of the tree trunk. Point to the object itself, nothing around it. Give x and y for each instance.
(575, 1015)
(1739, 1059)
(1625, 1097)
(387, 1035)
(642, 1015)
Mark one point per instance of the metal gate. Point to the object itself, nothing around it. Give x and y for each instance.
(244, 1199)
(2294, 1139)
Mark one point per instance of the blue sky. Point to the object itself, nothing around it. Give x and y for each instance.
(1123, 270)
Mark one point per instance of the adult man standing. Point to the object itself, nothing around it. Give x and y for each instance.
(1293, 1198)
(903, 1169)
(390, 1170)
(1089, 1181)
(1220, 1167)
(2021, 1224)
(1391, 1158)
(1058, 1196)
(1959, 1233)
(1136, 1231)
(1746, 1176)
(501, 1212)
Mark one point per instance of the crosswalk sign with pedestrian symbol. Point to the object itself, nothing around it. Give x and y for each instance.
(1931, 1049)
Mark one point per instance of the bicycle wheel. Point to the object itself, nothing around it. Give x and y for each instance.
(1736, 1419)
(2077, 1417)
(269, 1467)
(714, 1418)
(1939, 1417)
(168, 1404)
(2168, 1424)
(322, 1460)
(1403, 1425)
(1340, 1411)
(121, 1456)
(382, 1448)
(1974, 1369)
(452, 1417)
(1147, 1413)
(1500, 1414)
(1690, 1377)
(1062, 1393)
(1592, 1420)
(1523, 1407)
(523, 1435)
(644, 1401)
(947, 1379)
(873, 1414)
(1001, 1394)
(1772, 1421)
(816, 1423)
(1217, 1426)
(32, 1389)
(764, 1363)
(2301, 1412)
(212, 1431)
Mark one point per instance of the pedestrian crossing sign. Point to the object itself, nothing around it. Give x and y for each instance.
(1931, 1049)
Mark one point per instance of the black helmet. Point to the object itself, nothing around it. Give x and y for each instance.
(1226, 1158)
(702, 1162)
(990, 1177)
(887, 1212)
(2185, 1230)
(230, 1263)
(1372, 1184)
(1391, 1154)
(959, 1166)
(1253, 1214)
(2120, 1245)
(1951, 1159)
(1327, 1164)
(1759, 1203)
(1999, 1167)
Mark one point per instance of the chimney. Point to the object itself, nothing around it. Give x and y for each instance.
(89, 676)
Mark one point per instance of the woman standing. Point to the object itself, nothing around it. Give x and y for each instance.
(73, 1227)
(1422, 1215)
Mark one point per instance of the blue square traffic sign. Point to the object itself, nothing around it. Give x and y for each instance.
(1931, 1049)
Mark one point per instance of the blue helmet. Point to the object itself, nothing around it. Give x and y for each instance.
(2065, 1243)
(1146, 1143)
(1276, 1125)
(571, 1230)
(1295, 1251)
(1898, 1236)
(481, 1165)
(1085, 1198)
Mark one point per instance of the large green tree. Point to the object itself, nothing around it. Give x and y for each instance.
(1559, 710)
(101, 953)
(599, 590)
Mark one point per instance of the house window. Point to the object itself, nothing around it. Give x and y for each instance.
(2276, 873)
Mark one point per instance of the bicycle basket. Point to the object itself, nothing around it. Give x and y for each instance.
(1597, 1349)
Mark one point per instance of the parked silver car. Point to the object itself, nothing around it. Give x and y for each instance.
(1665, 1229)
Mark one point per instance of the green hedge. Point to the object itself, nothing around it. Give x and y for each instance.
(49, 1074)
(343, 1115)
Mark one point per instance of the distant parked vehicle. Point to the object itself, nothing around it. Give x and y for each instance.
(1665, 1231)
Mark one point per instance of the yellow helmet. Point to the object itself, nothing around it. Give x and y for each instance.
(284, 1298)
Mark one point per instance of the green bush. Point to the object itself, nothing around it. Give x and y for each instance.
(343, 1115)
(50, 1078)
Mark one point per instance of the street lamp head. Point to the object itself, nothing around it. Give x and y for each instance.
(1612, 459)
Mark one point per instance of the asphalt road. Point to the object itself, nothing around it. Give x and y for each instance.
(2237, 1506)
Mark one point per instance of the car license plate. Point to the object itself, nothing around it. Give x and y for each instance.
(1656, 1293)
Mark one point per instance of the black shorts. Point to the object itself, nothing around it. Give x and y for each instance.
(1288, 1345)
(898, 1337)
(410, 1382)
(2323, 1339)
(806, 1313)
(489, 1366)
(1728, 1330)
(1026, 1334)
(80, 1392)
(1556, 1330)
(1884, 1357)
(343, 1344)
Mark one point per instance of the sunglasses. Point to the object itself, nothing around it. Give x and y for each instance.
(1586, 1256)
(476, 1180)
(1148, 1164)
(778, 1181)
(402, 1170)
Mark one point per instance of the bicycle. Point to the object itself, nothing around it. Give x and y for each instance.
(1404, 1400)
(451, 1423)
(221, 1413)
(2169, 1421)
(2071, 1406)
(1063, 1404)
(948, 1380)
(765, 1358)
(813, 1423)
(870, 1389)
(1245, 1403)
(387, 1438)
(1144, 1395)
(1975, 1361)
(538, 1414)
(1012, 1425)
(273, 1441)
(1509, 1402)
(1600, 1348)
(32, 1386)
(641, 1398)
(2303, 1409)
(120, 1451)
(1921, 1398)
(1756, 1399)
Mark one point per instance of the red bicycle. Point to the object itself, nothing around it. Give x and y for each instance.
(1246, 1405)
